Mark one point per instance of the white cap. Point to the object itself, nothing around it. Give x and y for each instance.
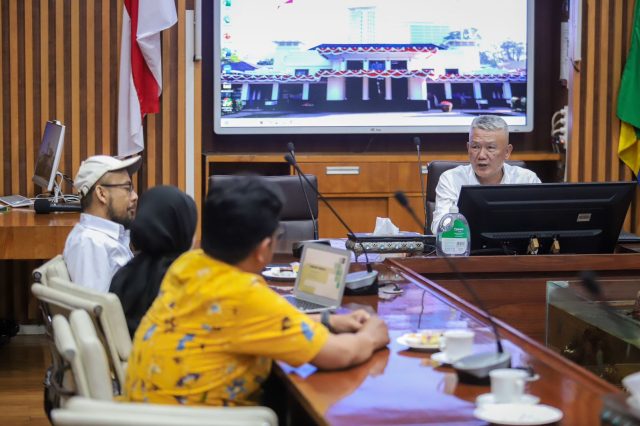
(454, 209)
(93, 168)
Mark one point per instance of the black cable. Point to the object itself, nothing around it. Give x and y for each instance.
(421, 309)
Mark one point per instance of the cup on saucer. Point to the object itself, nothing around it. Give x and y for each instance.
(508, 384)
(632, 384)
(456, 344)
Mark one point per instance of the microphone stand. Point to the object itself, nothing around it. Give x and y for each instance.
(473, 368)
(418, 142)
(304, 191)
(363, 282)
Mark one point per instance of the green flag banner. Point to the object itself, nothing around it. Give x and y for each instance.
(629, 101)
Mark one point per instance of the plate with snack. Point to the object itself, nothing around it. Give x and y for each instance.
(421, 340)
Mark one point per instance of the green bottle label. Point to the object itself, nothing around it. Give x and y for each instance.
(454, 241)
(458, 230)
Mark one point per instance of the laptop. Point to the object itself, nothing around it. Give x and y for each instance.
(16, 201)
(321, 278)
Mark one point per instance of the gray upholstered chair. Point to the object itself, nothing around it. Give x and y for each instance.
(295, 219)
(434, 170)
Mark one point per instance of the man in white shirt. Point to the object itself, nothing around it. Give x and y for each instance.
(488, 149)
(99, 244)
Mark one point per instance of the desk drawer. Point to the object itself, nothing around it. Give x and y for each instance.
(348, 178)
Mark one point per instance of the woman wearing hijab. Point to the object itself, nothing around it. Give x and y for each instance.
(162, 230)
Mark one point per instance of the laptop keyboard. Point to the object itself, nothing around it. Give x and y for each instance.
(303, 305)
(16, 200)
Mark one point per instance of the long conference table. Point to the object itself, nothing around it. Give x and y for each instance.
(398, 386)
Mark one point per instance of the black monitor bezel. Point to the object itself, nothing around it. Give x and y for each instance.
(501, 217)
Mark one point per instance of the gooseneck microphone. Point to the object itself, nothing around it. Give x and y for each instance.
(364, 279)
(292, 150)
(402, 199)
(475, 367)
(43, 205)
(418, 142)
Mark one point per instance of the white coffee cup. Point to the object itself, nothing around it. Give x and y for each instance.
(632, 384)
(457, 344)
(507, 384)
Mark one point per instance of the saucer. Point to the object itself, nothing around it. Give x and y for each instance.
(634, 404)
(489, 398)
(431, 341)
(518, 414)
(442, 358)
(277, 274)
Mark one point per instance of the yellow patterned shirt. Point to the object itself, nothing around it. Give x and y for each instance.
(211, 334)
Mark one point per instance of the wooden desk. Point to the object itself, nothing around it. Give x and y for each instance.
(513, 288)
(398, 386)
(26, 235)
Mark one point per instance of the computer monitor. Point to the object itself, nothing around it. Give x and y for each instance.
(49, 155)
(581, 217)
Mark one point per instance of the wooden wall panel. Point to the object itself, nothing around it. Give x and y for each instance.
(60, 59)
(594, 84)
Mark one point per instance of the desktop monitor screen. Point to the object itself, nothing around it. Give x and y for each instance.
(582, 217)
(49, 155)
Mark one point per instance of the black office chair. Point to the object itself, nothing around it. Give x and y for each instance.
(434, 170)
(295, 219)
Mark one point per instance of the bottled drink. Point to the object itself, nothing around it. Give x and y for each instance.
(453, 236)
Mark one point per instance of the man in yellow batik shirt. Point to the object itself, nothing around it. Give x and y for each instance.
(215, 327)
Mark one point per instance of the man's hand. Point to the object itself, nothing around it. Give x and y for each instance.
(377, 330)
(349, 323)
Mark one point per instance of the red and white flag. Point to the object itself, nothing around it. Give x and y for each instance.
(140, 67)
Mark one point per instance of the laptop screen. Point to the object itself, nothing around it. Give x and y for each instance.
(322, 272)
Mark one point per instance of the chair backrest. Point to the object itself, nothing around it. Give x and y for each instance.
(55, 267)
(109, 319)
(295, 219)
(67, 347)
(93, 356)
(78, 343)
(120, 413)
(434, 170)
(105, 310)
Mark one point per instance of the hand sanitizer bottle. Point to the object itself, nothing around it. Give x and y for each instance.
(453, 237)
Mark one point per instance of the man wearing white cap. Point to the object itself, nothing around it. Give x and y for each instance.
(99, 244)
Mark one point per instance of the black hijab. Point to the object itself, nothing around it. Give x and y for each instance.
(162, 230)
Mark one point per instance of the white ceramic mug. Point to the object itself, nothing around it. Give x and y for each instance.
(507, 384)
(632, 384)
(457, 344)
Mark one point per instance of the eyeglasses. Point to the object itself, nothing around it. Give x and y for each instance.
(128, 186)
(475, 148)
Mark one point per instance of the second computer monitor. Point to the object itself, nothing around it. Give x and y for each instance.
(49, 155)
(581, 217)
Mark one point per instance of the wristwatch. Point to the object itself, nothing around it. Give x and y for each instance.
(324, 320)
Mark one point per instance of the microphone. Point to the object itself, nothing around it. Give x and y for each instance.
(472, 368)
(362, 281)
(43, 205)
(429, 240)
(418, 142)
(291, 149)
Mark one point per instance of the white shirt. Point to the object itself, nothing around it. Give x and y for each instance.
(451, 181)
(95, 249)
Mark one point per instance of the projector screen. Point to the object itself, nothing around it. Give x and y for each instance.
(371, 66)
